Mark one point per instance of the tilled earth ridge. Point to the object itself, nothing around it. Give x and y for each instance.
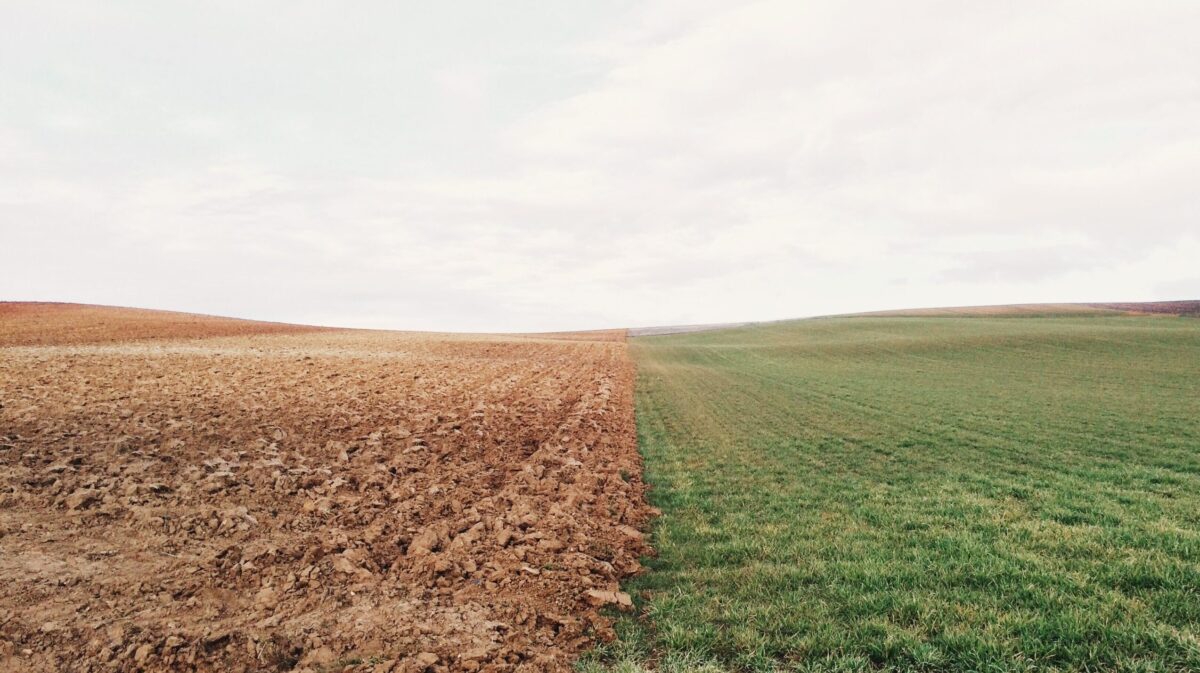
(327, 501)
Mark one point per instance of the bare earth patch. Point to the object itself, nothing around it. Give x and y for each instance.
(36, 323)
(311, 500)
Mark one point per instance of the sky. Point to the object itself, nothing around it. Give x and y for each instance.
(523, 166)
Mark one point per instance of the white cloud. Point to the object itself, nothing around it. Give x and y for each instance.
(661, 163)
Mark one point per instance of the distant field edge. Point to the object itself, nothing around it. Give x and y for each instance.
(1181, 308)
(45, 323)
(36, 323)
(1188, 308)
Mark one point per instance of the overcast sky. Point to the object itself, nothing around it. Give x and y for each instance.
(504, 166)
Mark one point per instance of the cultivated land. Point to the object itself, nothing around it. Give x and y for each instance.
(922, 494)
(48, 324)
(193, 493)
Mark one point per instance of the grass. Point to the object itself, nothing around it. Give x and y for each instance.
(921, 494)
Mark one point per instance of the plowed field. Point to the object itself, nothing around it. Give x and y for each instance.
(30, 323)
(293, 499)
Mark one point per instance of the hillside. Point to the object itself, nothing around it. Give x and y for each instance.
(944, 493)
(53, 324)
(1168, 308)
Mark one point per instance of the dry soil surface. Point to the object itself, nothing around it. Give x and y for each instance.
(31, 323)
(311, 500)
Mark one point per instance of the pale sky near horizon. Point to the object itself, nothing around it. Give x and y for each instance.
(559, 165)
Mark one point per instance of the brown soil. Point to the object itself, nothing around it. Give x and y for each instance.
(35, 323)
(591, 335)
(330, 500)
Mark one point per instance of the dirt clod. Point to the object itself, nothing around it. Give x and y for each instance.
(82, 499)
(600, 598)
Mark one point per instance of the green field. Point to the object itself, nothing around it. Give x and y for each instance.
(921, 494)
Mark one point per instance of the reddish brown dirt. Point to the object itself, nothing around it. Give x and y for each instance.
(31, 323)
(338, 500)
